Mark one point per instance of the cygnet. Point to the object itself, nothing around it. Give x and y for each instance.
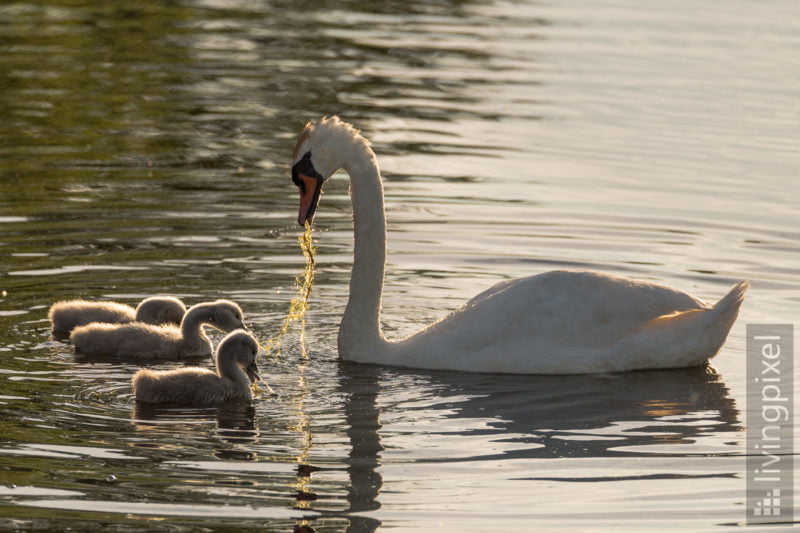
(200, 387)
(68, 314)
(145, 341)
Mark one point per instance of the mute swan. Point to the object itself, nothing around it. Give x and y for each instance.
(68, 314)
(200, 387)
(561, 322)
(159, 342)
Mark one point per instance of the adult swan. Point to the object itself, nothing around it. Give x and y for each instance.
(561, 322)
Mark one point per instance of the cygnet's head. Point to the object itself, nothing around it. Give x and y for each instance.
(226, 316)
(160, 310)
(243, 348)
(323, 148)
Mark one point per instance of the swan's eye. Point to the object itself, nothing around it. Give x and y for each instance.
(296, 175)
(304, 167)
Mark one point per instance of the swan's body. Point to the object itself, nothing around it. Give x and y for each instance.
(562, 322)
(67, 315)
(139, 340)
(160, 310)
(200, 387)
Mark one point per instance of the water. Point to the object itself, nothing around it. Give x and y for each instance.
(144, 149)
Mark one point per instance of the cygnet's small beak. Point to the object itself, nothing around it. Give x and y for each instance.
(252, 372)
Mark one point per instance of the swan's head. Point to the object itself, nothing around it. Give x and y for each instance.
(226, 316)
(323, 148)
(242, 347)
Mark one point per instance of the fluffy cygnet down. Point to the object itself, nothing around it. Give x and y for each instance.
(200, 387)
(68, 314)
(145, 341)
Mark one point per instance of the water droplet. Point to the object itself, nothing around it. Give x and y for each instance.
(298, 305)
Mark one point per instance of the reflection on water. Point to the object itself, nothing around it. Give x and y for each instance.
(362, 419)
(590, 416)
(144, 150)
(235, 423)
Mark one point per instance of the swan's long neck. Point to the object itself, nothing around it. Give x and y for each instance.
(360, 332)
(191, 326)
(227, 367)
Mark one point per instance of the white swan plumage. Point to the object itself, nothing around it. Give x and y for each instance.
(560, 322)
(67, 315)
(200, 387)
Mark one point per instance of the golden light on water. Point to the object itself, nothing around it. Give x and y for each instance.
(299, 302)
(302, 483)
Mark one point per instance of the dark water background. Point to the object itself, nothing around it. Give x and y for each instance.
(144, 150)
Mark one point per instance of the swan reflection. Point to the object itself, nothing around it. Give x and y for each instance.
(586, 415)
(537, 417)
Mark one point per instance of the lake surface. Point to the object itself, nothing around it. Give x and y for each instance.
(144, 149)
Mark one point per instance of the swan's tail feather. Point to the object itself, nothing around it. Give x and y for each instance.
(690, 338)
(728, 306)
(723, 315)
